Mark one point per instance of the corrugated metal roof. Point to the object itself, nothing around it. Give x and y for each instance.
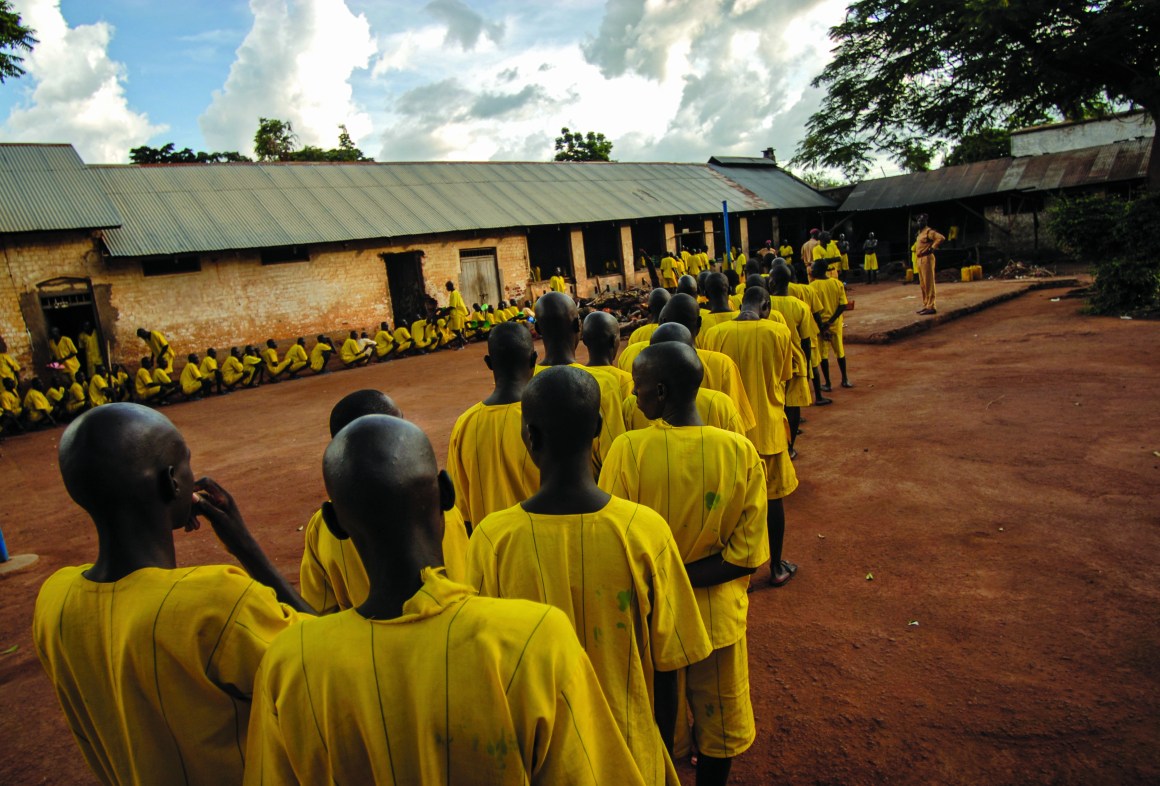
(1112, 163)
(769, 182)
(48, 187)
(178, 209)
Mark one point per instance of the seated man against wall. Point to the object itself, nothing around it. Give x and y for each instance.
(275, 367)
(320, 354)
(384, 342)
(296, 358)
(352, 353)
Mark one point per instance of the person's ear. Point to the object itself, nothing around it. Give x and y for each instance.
(599, 426)
(170, 486)
(330, 517)
(532, 438)
(446, 491)
(487, 362)
(533, 359)
(698, 321)
(662, 392)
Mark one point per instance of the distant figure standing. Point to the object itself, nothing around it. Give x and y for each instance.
(557, 283)
(870, 258)
(925, 244)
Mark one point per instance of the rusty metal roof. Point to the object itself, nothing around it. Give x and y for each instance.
(183, 208)
(48, 187)
(1117, 162)
(770, 183)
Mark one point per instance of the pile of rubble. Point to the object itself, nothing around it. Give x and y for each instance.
(629, 306)
(1021, 270)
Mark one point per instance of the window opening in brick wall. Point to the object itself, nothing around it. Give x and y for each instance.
(167, 266)
(282, 255)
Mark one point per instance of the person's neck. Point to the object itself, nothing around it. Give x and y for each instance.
(558, 353)
(781, 291)
(508, 390)
(567, 488)
(395, 577)
(748, 316)
(119, 554)
(600, 357)
(719, 304)
(683, 413)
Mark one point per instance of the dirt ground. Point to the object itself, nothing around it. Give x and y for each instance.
(997, 476)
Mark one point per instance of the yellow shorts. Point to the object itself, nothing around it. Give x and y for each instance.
(834, 341)
(870, 262)
(845, 262)
(797, 392)
(815, 352)
(832, 269)
(717, 690)
(780, 476)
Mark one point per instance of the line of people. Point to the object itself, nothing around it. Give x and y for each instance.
(566, 602)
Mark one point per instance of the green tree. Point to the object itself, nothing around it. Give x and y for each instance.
(582, 147)
(982, 145)
(274, 140)
(914, 156)
(908, 72)
(14, 37)
(168, 154)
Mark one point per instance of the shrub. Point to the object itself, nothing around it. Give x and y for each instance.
(1088, 226)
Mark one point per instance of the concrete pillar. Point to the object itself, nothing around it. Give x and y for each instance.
(776, 236)
(743, 241)
(580, 265)
(710, 243)
(628, 256)
(670, 237)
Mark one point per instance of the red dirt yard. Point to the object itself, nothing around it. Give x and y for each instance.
(998, 477)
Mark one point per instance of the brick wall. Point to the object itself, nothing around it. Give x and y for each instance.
(234, 299)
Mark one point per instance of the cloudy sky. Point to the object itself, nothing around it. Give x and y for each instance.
(666, 80)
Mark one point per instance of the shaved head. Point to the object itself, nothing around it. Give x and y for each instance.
(601, 334)
(122, 455)
(556, 316)
(716, 284)
(509, 347)
(673, 364)
(780, 275)
(671, 331)
(754, 281)
(361, 402)
(562, 410)
(683, 309)
(756, 299)
(385, 486)
(657, 300)
(687, 285)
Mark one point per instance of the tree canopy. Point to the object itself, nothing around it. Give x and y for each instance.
(14, 38)
(168, 154)
(576, 146)
(275, 140)
(981, 145)
(905, 73)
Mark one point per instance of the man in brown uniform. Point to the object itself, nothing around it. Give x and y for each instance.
(925, 245)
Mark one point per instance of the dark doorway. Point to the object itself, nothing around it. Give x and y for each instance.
(649, 235)
(67, 304)
(760, 226)
(405, 280)
(602, 253)
(550, 248)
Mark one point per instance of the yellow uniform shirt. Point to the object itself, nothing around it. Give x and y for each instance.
(831, 294)
(161, 376)
(162, 352)
(709, 485)
(785, 251)
(831, 254)
(232, 370)
(190, 379)
(92, 348)
(488, 461)
(350, 351)
(419, 334)
(384, 343)
(143, 384)
(37, 405)
(714, 407)
(612, 422)
(64, 352)
(558, 284)
(458, 316)
(458, 689)
(270, 357)
(620, 376)
(618, 576)
(250, 366)
(710, 319)
(642, 334)
(10, 402)
(98, 390)
(296, 358)
(154, 672)
(319, 354)
(332, 577)
(9, 368)
(668, 271)
(799, 320)
(809, 296)
(208, 367)
(75, 398)
(761, 350)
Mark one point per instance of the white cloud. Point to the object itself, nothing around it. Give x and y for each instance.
(79, 94)
(464, 26)
(295, 64)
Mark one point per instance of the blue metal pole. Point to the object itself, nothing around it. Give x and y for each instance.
(728, 245)
(3, 548)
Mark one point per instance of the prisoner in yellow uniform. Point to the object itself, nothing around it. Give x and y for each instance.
(800, 322)
(143, 384)
(233, 371)
(296, 358)
(709, 485)
(761, 349)
(827, 250)
(75, 400)
(191, 379)
(99, 388)
(332, 578)
(668, 271)
(612, 421)
(37, 407)
(457, 314)
(154, 672)
(557, 283)
(710, 319)
(785, 251)
(275, 366)
(716, 409)
(617, 575)
(9, 367)
(159, 347)
(488, 461)
(421, 334)
(90, 345)
(64, 351)
(456, 689)
(10, 405)
(831, 294)
(253, 367)
(320, 354)
(384, 342)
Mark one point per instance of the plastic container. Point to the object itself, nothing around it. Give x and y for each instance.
(909, 275)
(967, 273)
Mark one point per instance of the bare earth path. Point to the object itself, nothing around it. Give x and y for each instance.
(995, 475)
